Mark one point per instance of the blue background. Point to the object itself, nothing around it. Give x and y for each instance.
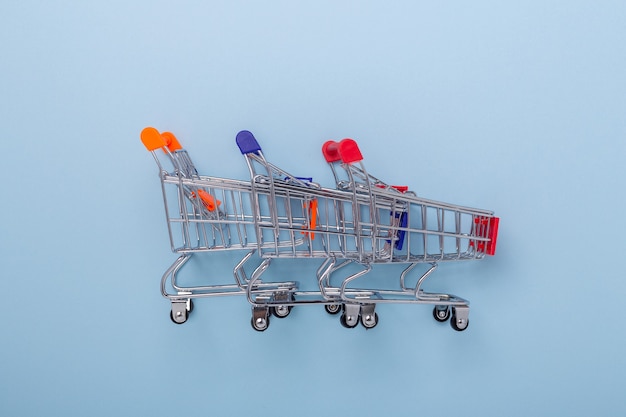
(518, 108)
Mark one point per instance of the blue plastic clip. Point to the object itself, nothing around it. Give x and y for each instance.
(303, 179)
(247, 143)
(400, 233)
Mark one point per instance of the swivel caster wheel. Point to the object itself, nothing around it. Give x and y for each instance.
(180, 311)
(179, 317)
(350, 315)
(260, 324)
(332, 308)
(369, 318)
(369, 321)
(280, 311)
(441, 313)
(260, 318)
(459, 320)
(349, 322)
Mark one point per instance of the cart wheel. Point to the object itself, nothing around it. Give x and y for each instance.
(190, 306)
(458, 325)
(280, 311)
(180, 317)
(344, 322)
(440, 314)
(260, 324)
(369, 321)
(332, 308)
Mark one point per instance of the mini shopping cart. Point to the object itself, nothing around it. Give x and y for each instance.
(361, 222)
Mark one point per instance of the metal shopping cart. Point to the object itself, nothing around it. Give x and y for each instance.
(396, 226)
(361, 222)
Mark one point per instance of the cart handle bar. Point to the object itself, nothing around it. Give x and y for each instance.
(347, 150)
(153, 140)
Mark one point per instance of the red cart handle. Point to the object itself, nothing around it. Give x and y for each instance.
(330, 150)
(347, 150)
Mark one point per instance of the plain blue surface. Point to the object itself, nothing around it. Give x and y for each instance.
(518, 108)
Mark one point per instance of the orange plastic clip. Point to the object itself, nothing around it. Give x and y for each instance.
(312, 207)
(209, 202)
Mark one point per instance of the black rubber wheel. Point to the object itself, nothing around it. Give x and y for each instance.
(275, 313)
(267, 321)
(178, 322)
(190, 306)
(439, 318)
(455, 326)
(342, 320)
(333, 308)
(370, 326)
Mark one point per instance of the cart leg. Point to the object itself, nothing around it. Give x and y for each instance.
(460, 318)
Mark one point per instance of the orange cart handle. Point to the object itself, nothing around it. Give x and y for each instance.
(154, 140)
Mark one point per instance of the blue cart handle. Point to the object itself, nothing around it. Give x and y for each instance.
(247, 142)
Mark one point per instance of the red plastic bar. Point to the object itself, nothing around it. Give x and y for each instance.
(494, 223)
